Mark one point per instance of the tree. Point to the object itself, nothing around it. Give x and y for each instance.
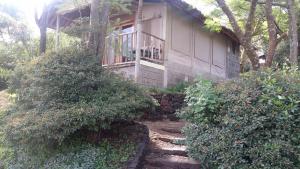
(139, 18)
(15, 42)
(293, 32)
(42, 24)
(290, 5)
(245, 37)
(99, 19)
(271, 35)
(272, 31)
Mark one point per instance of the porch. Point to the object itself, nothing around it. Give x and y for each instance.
(120, 49)
(120, 56)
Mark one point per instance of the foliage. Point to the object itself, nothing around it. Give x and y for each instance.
(282, 54)
(252, 122)
(73, 155)
(212, 25)
(202, 102)
(59, 94)
(178, 88)
(15, 44)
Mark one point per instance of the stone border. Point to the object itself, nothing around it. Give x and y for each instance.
(136, 161)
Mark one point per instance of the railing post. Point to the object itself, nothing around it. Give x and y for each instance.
(139, 40)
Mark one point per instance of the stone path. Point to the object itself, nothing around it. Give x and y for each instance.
(166, 149)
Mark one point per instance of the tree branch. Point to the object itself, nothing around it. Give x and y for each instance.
(231, 18)
(250, 20)
(283, 5)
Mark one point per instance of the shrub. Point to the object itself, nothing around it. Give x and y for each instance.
(177, 89)
(59, 94)
(78, 155)
(252, 122)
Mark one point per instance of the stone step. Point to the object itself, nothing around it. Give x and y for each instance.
(176, 141)
(171, 161)
(172, 130)
(170, 152)
(167, 146)
(153, 167)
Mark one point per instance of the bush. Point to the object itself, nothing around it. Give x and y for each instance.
(59, 94)
(177, 89)
(252, 122)
(77, 155)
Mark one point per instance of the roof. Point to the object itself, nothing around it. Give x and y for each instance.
(70, 14)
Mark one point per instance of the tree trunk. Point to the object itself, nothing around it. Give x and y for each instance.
(42, 24)
(293, 33)
(272, 31)
(94, 25)
(252, 55)
(43, 39)
(104, 22)
(139, 18)
(99, 19)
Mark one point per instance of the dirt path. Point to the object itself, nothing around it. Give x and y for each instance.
(166, 149)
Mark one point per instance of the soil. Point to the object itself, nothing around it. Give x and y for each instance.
(165, 150)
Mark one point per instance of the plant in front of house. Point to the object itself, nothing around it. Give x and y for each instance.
(59, 95)
(252, 122)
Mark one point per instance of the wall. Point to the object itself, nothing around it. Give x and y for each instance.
(125, 70)
(233, 62)
(191, 51)
(151, 77)
(154, 17)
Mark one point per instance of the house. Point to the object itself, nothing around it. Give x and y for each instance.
(174, 45)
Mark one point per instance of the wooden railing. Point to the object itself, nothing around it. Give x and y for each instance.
(122, 48)
(152, 48)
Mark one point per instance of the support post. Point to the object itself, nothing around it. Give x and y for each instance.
(57, 33)
(139, 18)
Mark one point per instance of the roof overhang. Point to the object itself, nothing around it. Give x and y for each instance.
(68, 16)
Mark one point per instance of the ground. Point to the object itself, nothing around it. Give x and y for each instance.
(166, 149)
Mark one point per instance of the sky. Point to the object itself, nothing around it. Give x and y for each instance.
(29, 6)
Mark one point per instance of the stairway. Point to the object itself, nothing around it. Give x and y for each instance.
(166, 149)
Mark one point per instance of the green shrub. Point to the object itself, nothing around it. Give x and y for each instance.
(77, 155)
(59, 94)
(252, 122)
(202, 102)
(177, 89)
